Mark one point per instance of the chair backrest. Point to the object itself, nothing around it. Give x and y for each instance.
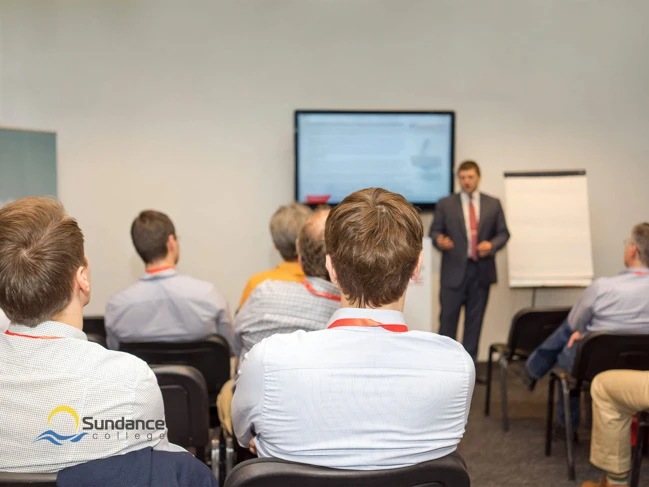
(211, 357)
(93, 337)
(531, 326)
(600, 351)
(21, 479)
(448, 471)
(184, 393)
(95, 325)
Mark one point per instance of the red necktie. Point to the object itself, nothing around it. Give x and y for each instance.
(473, 223)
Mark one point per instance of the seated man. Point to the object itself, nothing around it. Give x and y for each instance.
(285, 226)
(163, 305)
(609, 304)
(284, 307)
(617, 396)
(365, 393)
(65, 401)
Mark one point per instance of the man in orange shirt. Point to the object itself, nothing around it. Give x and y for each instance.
(285, 225)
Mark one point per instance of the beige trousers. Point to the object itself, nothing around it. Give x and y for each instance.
(617, 395)
(224, 406)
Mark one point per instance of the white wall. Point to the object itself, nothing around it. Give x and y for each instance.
(187, 107)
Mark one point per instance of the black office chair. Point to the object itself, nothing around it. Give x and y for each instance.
(210, 356)
(448, 471)
(640, 442)
(530, 327)
(95, 325)
(21, 479)
(597, 352)
(93, 337)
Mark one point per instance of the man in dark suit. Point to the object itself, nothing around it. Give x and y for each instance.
(469, 228)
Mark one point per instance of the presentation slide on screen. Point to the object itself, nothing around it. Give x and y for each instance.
(338, 154)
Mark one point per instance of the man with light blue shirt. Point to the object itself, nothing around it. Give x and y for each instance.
(365, 393)
(619, 303)
(164, 306)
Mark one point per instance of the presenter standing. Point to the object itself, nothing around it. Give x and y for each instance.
(468, 228)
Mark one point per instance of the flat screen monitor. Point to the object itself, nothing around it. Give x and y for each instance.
(339, 152)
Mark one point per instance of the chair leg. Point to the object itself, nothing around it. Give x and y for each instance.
(229, 455)
(488, 396)
(641, 438)
(549, 419)
(565, 393)
(502, 361)
(216, 454)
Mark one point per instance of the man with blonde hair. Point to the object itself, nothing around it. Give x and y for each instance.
(365, 393)
(63, 400)
(285, 226)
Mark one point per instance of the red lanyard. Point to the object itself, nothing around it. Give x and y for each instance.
(11, 333)
(309, 288)
(155, 270)
(641, 273)
(367, 322)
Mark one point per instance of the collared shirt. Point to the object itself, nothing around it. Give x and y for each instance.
(4, 322)
(464, 197)
(286, 271)
(282, 307)
(619, 303)
(167, 307)
(354, 397)
(52, 378)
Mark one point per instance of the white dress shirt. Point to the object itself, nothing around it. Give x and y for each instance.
(464, 197)
(50, 373)
(4, 322)
(354, 397)
(167, 307)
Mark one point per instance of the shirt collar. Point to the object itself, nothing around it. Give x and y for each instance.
(631, 270)
(293, 267)
(323, 285)
(49, 328)
(465, 196)
(384, 316)
(159, 275)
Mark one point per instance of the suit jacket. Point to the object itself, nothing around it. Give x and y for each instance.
(449, 221)
(139, 468)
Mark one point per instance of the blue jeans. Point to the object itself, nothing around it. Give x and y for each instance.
(553, 352)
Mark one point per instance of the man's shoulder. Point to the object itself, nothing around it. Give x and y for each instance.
(447, 200)
(126, 295)
(111, 363)
(487, 198)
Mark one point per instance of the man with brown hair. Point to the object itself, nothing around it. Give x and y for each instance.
(468, 228)
(57, 390)
(365, 393)
(285, 226)
(163, 305)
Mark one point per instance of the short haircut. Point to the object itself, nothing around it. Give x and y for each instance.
(468, 165)
(150, 232)
(374, 238)
(285, 225)
(41, 249)
(311, 245)
(640, 237)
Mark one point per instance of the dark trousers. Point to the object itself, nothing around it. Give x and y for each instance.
(473, 295)
(554, 351)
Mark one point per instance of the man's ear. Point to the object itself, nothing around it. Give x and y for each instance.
(420, 263)
(82, 279)
(330, 268)
(172, 243)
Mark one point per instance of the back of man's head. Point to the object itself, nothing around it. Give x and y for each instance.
(311, 245)
(640, 237)
(41, 249)
(150, 232)
(374, 239)
(285, 225)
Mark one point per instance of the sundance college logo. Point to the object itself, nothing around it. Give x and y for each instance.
(104, 429)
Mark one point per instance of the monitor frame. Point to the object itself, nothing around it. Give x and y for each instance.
(422, 206)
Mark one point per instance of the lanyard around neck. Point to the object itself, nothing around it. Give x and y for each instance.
(11, 333)
(322, 294)
(368, 323)
(155, 270)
